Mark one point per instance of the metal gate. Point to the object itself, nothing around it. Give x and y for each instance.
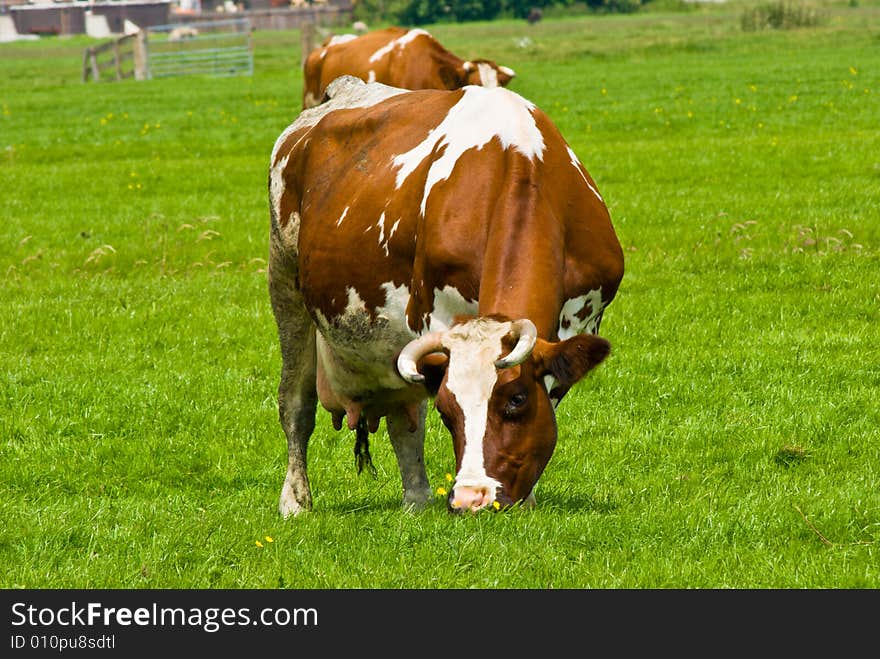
(215, 48)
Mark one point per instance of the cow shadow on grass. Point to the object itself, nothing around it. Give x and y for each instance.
(568, 501)
(548, 501)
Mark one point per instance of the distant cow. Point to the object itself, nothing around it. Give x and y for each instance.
(435, 243)
(409, 59)
(182, 33)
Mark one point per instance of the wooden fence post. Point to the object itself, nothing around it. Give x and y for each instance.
(141, 56)
(308, 40)
(93, 62)
(86, 64)
(117, 57)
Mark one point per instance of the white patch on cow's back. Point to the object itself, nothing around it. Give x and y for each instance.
(371, 76)
(401, 42)
(580, 168)
(471, 375)
(488, 75)
(479, 116)
(337, 39)
(342, 217)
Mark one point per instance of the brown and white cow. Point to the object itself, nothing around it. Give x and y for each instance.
(410, 59)
(435, 243)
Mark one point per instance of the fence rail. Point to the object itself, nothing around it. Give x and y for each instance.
(125, 57)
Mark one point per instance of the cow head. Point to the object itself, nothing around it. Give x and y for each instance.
(486, 73)
(489, 376)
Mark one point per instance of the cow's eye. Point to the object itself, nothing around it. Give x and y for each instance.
(516, 403)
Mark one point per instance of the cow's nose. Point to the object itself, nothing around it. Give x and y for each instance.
(470, 498)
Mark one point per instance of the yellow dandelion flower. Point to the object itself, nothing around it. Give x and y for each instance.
(737, 101)
(269, 539)
(853, 70)
(448, 478)
(496, 505)
(259, 544)
(604, 91)
(441, 491)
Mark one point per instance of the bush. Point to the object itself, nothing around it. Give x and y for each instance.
(421, 12)
(780, 16)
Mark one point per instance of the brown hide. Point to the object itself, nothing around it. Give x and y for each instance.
(418, 63)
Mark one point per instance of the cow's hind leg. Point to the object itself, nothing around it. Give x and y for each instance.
(297, 393)
(409, 447)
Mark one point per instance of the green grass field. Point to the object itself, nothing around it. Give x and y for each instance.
(732, 439)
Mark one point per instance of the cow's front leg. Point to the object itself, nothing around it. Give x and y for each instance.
(409, 447)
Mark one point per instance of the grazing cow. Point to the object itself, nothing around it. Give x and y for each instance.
(410, 59)
(444, 244)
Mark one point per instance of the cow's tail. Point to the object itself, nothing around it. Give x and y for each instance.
(362, 448)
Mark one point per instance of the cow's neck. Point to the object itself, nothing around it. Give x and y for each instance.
(523, 271)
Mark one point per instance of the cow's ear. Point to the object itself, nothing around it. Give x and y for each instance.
(433, 367)
(570, 360)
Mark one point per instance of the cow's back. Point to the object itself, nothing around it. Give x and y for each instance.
(420, 215)
(344, 55)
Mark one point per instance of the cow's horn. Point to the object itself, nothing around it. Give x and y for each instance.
(506, 70)
(407, 361)
(526, 334)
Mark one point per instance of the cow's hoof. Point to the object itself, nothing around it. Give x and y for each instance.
(416, 501)
(289, 506)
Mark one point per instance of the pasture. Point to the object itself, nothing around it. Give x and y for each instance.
(731, 440)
